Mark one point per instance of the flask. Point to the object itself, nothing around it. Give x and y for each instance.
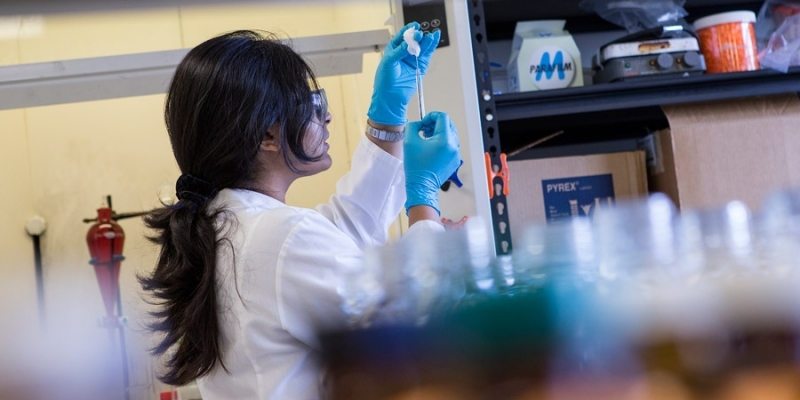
(106, 239)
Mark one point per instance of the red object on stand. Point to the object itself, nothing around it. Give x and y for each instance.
(106, 240)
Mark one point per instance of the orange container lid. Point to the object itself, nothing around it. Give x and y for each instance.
(725, 18)
(785, 9)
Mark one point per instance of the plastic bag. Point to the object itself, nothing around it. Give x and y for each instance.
(638, 15)
(783, 49)
(772, 15)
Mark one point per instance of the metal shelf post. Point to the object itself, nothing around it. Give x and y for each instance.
(489, 128)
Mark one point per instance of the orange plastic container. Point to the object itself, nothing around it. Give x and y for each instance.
(728, 41)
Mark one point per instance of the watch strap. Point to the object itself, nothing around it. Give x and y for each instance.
(385, 135)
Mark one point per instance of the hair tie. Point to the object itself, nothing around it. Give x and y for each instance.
(192, 188)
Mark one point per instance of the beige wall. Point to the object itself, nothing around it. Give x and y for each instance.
(60, 161)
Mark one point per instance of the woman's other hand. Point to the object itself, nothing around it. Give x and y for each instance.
(429, 161)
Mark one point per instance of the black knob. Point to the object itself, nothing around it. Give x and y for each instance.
(691, 59)
(664, 61)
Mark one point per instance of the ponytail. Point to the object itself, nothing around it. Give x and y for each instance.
(183, 288)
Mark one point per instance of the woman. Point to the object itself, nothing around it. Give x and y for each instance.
(244, 282)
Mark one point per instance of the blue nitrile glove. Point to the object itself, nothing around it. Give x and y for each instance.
(395, 78)
(454, 178)
(429, 162)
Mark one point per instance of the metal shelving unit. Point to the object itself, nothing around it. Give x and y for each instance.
(571, 104)
(623, 95)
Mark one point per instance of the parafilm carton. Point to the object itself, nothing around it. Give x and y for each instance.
(543, 56)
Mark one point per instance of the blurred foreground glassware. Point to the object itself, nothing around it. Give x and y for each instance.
(725, 237)
(701, 305)
(361, 289)
(778, 233)
(408, 281)
(563, 250)
(642, 240)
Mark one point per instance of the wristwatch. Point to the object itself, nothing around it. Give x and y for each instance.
(385, 135)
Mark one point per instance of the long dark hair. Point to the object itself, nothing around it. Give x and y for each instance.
(225, 94)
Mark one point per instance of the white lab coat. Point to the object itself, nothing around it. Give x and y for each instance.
(289, 262)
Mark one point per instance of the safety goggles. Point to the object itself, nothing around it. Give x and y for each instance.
(320, 102)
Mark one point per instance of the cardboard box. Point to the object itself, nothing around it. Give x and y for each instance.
(543, 56)
(721, 151)
(549, 189)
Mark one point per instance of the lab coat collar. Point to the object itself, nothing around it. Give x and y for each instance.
(243, 198)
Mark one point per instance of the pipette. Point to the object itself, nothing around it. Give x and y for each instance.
(415, 50)
(420, 97)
